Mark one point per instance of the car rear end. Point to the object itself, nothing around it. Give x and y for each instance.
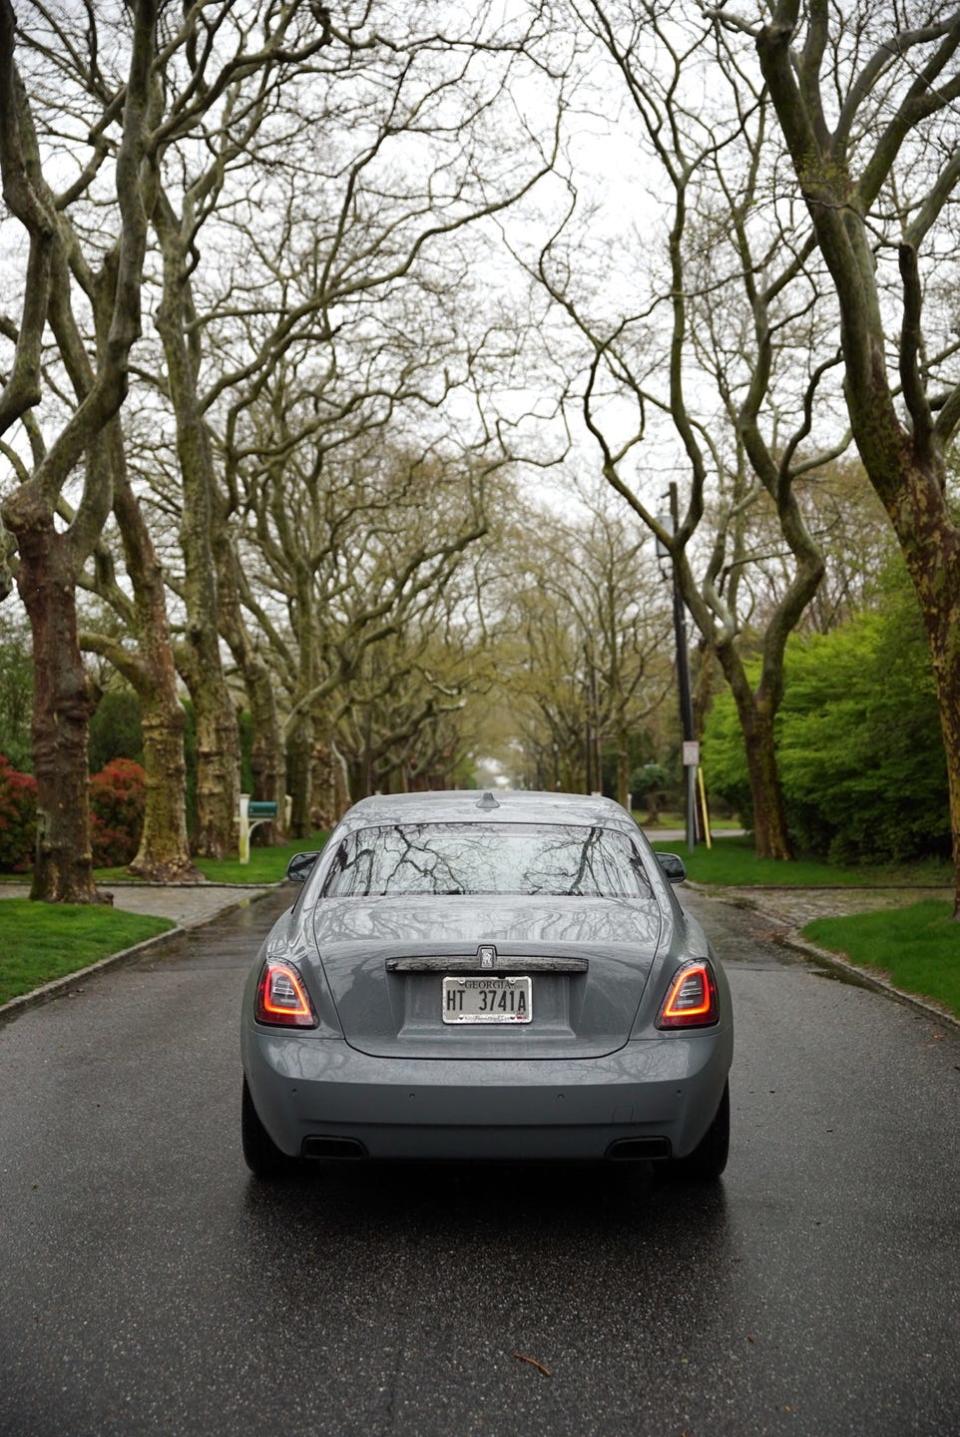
(560, 1023)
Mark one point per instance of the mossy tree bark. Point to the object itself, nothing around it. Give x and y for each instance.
(218, 743)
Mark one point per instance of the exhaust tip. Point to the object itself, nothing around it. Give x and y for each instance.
(333, 1148)
(635, 1150)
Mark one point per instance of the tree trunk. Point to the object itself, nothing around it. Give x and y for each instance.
(164, 852)
(932, 551)
(757, 712)
(218, 758)
(946, 665)
(164, 855)
(623, 771)
(770, 835)
(301, 773)
(356, 775)
(62, 705)
(268, 756)
(323, 809)
(341, 791)
(218, 741)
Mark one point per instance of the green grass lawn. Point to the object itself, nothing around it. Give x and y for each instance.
(919, 947)
(43, 941)
(732, 861)
(267, 865)
(679, 820)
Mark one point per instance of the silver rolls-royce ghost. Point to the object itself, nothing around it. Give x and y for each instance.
(467, 976)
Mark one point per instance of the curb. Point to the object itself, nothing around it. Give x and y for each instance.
(793, 938)
(55, 989)
(205, 887)
(191, 887)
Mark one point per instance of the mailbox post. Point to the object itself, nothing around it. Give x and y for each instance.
(252, 812)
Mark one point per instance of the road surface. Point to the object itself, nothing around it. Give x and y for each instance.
(148, 1286)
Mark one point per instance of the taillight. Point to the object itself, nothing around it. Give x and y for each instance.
(282, 999)
(691, 1000)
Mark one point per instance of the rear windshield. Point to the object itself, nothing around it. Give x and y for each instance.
(508, 858)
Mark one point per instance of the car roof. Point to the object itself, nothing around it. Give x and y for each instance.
(491, 806)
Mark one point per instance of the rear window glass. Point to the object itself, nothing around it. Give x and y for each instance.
(507, 858)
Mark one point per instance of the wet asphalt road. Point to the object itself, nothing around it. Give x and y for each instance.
(147, 1285)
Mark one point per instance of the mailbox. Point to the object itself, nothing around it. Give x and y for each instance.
(252, 812)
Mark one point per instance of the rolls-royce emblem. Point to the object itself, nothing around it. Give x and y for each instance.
(487, 955)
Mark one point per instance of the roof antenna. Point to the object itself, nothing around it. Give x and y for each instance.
(488, 801)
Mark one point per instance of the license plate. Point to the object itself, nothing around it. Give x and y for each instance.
(487, 1000)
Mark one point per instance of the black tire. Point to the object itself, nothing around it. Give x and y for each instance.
(261, 1154)
(709, 1157)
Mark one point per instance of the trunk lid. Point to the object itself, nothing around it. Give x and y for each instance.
(387, 1009)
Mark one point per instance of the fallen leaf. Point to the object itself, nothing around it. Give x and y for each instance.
(522, 1357)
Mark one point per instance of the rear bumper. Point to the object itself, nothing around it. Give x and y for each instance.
(307, 1087)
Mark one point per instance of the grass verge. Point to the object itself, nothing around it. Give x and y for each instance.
(918, 947)
(267, 865)
(732, 861)
(43, 941)
(669, 819)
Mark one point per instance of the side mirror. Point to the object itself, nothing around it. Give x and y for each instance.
(301, 866)
(672, 865)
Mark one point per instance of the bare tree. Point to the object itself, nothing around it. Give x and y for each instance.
(867, 100)
(585, 634)
(293, 321)
(725, 345)
(50, 559)
(208, 59)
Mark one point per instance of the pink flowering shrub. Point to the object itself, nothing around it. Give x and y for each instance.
(18, 818)
(117, 801)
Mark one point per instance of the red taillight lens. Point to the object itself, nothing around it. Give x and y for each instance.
(691, 1000)
(282, 999)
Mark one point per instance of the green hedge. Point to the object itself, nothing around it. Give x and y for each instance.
(859, 745)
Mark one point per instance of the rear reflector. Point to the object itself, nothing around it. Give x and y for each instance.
(691, 1000)
(282, 1000)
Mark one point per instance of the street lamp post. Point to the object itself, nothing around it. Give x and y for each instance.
(691, 757)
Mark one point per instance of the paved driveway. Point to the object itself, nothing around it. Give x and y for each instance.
(147, 1286)
(185, 903)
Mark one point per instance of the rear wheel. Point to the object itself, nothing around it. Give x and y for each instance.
(709, 1157)
(261, 1154)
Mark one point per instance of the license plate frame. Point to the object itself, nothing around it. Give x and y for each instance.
(519, 1013)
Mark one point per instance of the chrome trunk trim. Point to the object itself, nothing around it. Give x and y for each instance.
(471, 963)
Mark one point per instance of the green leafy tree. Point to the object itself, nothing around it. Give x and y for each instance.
(859, 741)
